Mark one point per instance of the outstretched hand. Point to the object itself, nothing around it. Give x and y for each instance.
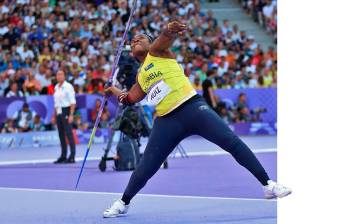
(177, 27)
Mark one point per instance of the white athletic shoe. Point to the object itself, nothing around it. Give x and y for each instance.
(275, 190)
(117, 208)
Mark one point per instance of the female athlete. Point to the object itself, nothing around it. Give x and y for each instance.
(181, 113)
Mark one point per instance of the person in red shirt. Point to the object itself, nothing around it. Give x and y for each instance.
(15, 19)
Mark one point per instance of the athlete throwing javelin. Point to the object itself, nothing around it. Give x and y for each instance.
(181, 113)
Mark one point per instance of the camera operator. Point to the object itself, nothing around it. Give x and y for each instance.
(245, 114)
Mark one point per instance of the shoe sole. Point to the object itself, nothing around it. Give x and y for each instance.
(285, 194)
(270, 197)
(114, 216)
(106, 217)
(278, 196)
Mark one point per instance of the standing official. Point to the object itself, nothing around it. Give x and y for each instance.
(64, 101)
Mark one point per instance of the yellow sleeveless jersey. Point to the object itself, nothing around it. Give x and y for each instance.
(164, 82)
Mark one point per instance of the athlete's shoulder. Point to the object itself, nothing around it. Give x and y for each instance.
(165, 54)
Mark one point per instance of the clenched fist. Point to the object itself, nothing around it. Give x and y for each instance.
(177, 27)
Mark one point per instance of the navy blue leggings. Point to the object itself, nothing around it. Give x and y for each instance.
(194, 117)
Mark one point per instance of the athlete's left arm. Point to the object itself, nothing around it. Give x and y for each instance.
(161, 46)
(134, 95)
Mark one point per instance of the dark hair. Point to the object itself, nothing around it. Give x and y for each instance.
(242, 94)
(210, 72)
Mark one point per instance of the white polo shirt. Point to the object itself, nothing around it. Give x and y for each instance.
(64, 96)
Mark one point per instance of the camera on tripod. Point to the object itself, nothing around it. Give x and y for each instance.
(128, 67)
(259, 110)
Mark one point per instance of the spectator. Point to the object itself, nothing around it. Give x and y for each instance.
(12, 35)
(8, 68)
(236, 34)
(25, 53)
(24, 118)
(267, 78)
(242, 101)
(202, 72)
(240, 83)
(45, 80)
(9, 127)
(268, 11)
(197, 85)
(46, 55)
(77, 123)
(14, 91)
(29, 19)
(224, 113)
(37, 124)
(105, 114)
(4, 82)
(253, 81)
(222, 68)
(85, 32)
(225, 28)
(62, 25)
(3, 28)
(226, 80)
(243, 115)
(31, 86)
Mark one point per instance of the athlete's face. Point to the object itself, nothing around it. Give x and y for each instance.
(140, 45)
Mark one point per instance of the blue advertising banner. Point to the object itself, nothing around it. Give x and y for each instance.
(43, 105)
(50, 138)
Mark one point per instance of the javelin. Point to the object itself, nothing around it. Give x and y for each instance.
(111, 81)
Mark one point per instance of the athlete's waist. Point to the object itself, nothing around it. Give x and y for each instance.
(194, 98)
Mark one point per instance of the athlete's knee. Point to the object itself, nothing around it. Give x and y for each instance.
(233, 144)
(228, 137)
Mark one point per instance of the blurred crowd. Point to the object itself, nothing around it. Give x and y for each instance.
(39, 37)
(263, 12)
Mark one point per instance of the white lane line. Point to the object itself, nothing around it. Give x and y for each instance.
(222, 152)
(200, 153)
(143, 195)
(38, 161)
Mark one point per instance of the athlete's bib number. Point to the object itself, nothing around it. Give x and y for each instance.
(157, 93)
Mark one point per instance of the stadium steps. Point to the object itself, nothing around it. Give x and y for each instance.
(231, 10)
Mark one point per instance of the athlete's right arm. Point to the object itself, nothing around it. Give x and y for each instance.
(162, 44)
(134, 95)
